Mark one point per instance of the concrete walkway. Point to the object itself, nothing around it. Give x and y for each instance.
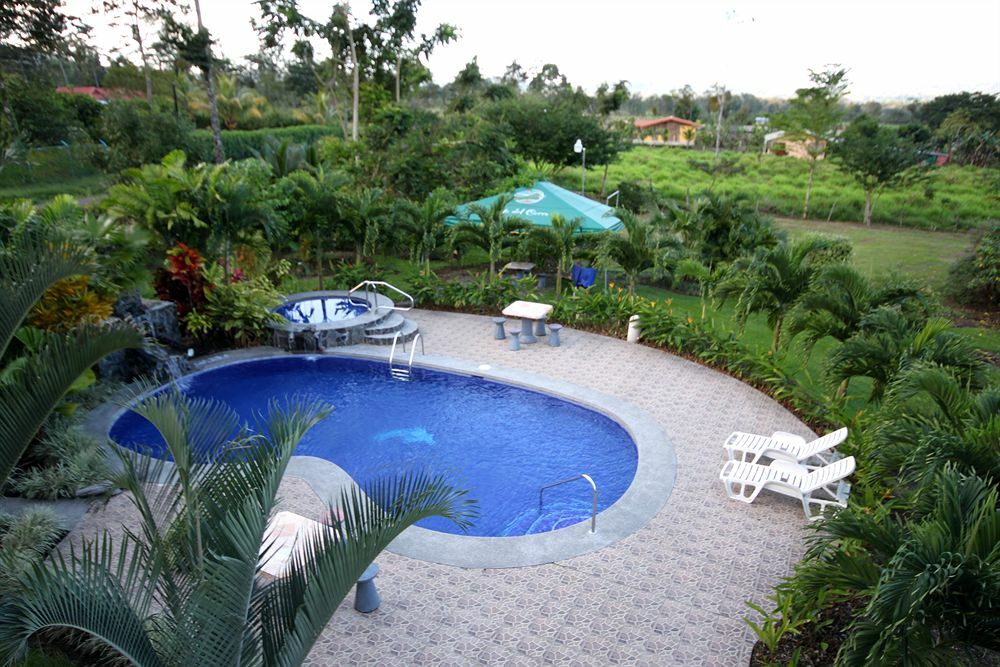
(670, 594)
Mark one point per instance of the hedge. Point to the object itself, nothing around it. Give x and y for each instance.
(241, 144)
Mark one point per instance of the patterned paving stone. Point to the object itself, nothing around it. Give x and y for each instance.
(672, 593)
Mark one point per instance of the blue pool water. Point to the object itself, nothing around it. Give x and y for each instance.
(322, 310)
(500, 442)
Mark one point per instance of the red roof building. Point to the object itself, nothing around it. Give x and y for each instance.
(100, 94)
(669, 130)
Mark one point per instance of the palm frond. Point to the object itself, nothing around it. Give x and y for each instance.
(44, 379)
(293, 610)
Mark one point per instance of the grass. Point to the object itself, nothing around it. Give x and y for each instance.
(84, 186)
(950, 197)
(879, 250)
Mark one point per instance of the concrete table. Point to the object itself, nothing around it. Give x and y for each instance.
(529, 312)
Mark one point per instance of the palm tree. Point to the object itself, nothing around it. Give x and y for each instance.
(888, 342)
(424, 225)
(840, 297)
(561, 240)
(321, 192)
(692, 269)
(29, 392)
(362, 214)
(237, 104)
(634, 249)
(186, 588)
(771, 281)
(236, 210)
(493, 231)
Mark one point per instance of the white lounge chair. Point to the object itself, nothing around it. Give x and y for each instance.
(750, 447)
(822, 486)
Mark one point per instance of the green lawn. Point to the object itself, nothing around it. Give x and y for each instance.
(84, 186)
(879, 249)
(951, 197)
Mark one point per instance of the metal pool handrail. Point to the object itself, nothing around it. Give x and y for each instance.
(371, 287)
(593, 486)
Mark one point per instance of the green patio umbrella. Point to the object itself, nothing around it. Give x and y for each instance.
(541, 201)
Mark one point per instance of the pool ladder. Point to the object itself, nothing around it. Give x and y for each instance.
(593, 487)
(403, 373)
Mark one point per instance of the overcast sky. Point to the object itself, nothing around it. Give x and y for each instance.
(893, 48)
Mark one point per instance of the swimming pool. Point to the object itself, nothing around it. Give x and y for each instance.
(323, 310)
(502, 443)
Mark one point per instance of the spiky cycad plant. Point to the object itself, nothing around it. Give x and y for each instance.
(929, 580)
(320, 193)
(29, 393)
(186, 589)
(363, 213)
(493, 231)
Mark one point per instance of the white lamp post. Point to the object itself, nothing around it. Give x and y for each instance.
(578, 147)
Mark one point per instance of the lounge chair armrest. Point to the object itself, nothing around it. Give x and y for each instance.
(785, 436)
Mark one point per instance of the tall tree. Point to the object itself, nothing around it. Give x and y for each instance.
(814, 114)
(609, 100)
(135, 14)
(348, 40)
(877, 157)
(394, 35)
(196, 48)
(717, 105)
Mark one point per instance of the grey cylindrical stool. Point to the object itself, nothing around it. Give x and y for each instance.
(499, 333)
(540, 327)
(515, 340)
(554, 334)
(366, 597)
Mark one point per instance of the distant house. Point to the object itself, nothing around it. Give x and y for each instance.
(103, 95)
(669, 130)
(793, 145)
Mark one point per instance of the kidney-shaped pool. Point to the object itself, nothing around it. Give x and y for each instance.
(501, 442)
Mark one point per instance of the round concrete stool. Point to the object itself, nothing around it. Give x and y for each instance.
(366, 597)
(499, 333)
(515, 340)
(554, 334)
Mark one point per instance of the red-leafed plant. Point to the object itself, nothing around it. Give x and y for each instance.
(182, 280)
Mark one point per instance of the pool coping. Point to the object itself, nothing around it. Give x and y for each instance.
(645, 497)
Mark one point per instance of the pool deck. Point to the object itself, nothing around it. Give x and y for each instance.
(671, 593)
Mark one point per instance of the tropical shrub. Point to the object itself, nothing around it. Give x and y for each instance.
(136, 135)
(235, 311)
(24, 541)
(62, 461)
(182, 279)
(69, 303)
(243, 144)
(974, 280)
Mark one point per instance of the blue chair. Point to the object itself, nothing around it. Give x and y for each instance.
(586, 277)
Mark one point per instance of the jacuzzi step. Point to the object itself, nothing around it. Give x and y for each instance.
(389, 324)
(407, 331)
